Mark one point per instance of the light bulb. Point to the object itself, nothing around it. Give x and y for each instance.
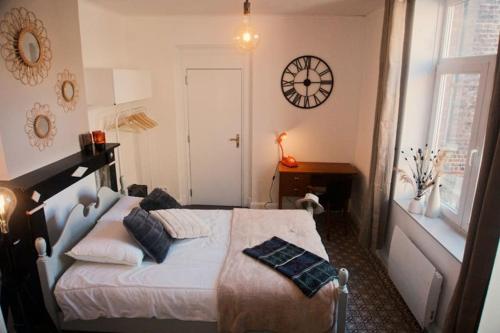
(246, 37)
(8, 204)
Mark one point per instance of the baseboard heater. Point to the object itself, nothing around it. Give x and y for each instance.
(415, 277)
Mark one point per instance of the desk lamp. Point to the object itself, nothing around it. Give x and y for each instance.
(288, 161)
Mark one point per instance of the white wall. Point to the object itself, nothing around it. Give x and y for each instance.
(323, 134)
(366, 114)
(60, 18)
(327, 133)
(490, 321)
(17, 156)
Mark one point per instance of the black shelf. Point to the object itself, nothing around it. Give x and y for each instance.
(55, 177)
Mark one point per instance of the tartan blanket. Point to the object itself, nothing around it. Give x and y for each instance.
(307, 270)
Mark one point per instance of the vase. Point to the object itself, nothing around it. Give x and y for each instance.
(433, 209)
(416, 205)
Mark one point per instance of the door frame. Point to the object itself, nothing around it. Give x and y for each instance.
(211, 57)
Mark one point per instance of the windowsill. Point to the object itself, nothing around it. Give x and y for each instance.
(446, 235)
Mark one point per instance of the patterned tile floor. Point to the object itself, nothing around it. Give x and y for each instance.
(374, 304)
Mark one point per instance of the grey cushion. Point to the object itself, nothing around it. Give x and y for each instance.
(149, 233)
(159, 199)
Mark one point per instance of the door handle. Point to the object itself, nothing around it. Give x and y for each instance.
(237, 140)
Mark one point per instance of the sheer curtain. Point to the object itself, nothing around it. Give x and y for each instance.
(464, 311)
(394, 56)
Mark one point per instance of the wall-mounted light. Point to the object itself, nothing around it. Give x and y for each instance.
(8, 204)
(289, 160)
(247, 38)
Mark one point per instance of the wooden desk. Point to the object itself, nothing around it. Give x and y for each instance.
(337, 177)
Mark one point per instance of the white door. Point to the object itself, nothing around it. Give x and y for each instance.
(214, 121)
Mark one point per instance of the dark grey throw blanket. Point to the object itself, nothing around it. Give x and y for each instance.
(307, 270)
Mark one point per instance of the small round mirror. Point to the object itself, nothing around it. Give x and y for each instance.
(68, 91)
(29, 48)
(42, 126)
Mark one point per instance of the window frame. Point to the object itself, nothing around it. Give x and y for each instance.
(470, 65)
(483, 65)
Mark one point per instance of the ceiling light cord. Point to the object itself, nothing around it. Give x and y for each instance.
(246, 7)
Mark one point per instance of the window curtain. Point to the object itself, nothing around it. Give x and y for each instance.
(394, 63)
(464, 311)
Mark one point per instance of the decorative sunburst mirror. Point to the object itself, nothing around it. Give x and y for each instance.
(40, 126)
(24, 46)
(67, 90)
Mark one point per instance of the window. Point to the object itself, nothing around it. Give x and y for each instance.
(464, 80)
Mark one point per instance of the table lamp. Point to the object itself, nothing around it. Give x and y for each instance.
(13, 289)
(8, 204)
(288, 161)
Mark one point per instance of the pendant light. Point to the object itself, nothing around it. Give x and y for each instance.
(247, 38)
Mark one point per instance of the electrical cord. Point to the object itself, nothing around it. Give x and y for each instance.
(271, 187)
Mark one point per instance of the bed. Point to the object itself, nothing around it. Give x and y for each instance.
(179, 295)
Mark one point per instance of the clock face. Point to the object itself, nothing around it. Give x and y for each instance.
(307, 82)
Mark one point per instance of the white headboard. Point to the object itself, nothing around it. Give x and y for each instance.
(80, 221)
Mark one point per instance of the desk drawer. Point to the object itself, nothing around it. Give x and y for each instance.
(294, 184)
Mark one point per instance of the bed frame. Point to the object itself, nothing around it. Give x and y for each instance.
(80, 221)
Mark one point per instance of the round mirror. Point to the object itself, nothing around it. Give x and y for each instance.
(42, 126)
(29, 48)
(68, 91)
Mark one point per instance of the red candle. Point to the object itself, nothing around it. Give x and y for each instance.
(99, 137)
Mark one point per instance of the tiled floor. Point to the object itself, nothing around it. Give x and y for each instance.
(374, 304)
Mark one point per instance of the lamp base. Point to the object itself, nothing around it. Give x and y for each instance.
(289, 161)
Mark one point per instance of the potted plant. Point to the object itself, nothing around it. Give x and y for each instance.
(425, 167)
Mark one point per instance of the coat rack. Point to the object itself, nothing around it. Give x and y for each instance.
(134, 120)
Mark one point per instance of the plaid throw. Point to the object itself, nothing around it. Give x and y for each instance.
(307, 270)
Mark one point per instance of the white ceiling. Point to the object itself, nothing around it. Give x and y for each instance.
(235, 7)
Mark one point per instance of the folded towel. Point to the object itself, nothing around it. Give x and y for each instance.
(181, 223)
(307, 270)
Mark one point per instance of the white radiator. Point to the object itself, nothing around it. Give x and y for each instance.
(415, 277)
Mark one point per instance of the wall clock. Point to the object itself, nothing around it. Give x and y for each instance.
(307, 82)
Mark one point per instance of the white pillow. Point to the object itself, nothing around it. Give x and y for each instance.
(181, 223)
(109, 241)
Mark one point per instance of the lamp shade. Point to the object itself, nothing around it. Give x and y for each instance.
(8, 204)
(282, 136)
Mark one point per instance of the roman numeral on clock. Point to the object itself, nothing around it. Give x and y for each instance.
(296, 99)
(326, 71)
(307, 103)
(307, 62)
(324, 92)
(298, 65)
(317, 100)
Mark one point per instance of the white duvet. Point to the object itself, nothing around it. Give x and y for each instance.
(183, 287)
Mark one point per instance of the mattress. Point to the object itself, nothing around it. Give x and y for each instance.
(182, 287)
